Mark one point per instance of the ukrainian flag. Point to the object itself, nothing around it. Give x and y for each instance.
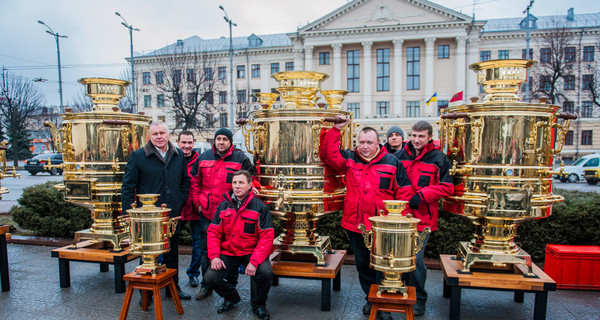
(432, 99)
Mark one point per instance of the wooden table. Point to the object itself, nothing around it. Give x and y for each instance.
(454, 282)
(4, 260)
(88, 251)
(392, 302)
(308, 270)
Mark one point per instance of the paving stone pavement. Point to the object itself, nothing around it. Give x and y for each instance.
(36, 294)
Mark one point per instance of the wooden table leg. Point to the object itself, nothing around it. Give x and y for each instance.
(4, 277)
(455, 296)
(541, 302)
(445, 289)
(374, 308)
(337, 281)
(119, 273)
(175, 296)
(157, 302)
(126, 303)
(64, 273)
(275, 282)
(103, 267)
(145, 299)
(519, 296)
(326, 295)
(410, 314)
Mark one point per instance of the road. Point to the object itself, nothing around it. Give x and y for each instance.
(15, 187)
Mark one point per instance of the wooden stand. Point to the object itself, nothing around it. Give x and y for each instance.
(308, 270)
(88, 251)
(153, 283)
(455, 281)
(392, 302)
(4, 260)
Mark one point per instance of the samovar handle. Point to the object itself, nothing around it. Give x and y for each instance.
(124, 220)
(367, 235)
(562, 129)
(419, 239)
(172, 226)
(55, 135)
(246, 132)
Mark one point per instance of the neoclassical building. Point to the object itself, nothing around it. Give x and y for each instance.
(391, 55)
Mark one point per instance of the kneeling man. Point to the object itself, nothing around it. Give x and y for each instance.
(241, 233)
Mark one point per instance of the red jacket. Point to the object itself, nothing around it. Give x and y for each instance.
(367, 183)
(428, 173)
(245, 230)
(189, 211)
(211, 177)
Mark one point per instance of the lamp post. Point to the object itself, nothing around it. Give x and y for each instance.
(527, 55)
(131, 29)
(231, 24)
(56, 36)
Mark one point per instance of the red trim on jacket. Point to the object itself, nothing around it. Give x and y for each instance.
(190, 211)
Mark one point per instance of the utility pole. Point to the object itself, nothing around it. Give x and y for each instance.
(231, 111)
(527, 54)
(56, 36)
(131, 29)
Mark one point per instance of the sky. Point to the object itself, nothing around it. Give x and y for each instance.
(98, 44)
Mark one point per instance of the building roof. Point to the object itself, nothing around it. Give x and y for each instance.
(570, 20)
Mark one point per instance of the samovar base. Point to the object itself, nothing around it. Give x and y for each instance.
(496, 261)
(150, 265)
(88, 234)
(392, 283)
(318, 249)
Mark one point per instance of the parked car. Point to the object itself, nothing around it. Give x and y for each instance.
(37, 163)
(592, 176)
(574, 172)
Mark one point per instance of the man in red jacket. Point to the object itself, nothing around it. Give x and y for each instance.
(241, 233)
(372, 175)
(427, 169)
(211, 178)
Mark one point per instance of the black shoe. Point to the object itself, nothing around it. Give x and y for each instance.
(182, 295)
(228, 304)
(194, 282)
(204, 292)
(367, 307)
(261, 312)
(419, 309)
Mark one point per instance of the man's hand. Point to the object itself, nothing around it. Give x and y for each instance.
(250, 270)
(340, 125)
(415, 201)
(217, 264)
(255, 191)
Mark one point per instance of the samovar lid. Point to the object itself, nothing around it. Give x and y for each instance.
(395, 216)
(148, 206)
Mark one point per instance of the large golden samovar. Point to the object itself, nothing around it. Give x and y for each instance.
(394, 242)
(295, 184)
(95, 147)
(150, 228)
(501, 152)
(5, 171)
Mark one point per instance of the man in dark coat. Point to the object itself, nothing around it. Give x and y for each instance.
(159, 167)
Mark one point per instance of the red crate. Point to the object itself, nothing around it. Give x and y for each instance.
(573, 267)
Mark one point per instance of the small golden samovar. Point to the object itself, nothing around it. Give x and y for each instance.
(95, 147)
(394, 242)
(5, 171)
(150, 228)
(298, 188)
(501, 152)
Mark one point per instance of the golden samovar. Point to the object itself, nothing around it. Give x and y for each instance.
(150, 228)
(394, 242)
(95, 147)
(501, 152)
(5, 171)
(298, 188)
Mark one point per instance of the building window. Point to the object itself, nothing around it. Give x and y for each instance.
(444, 51)
(383, 109)
(160, 77)
(545, 83)
(586, 109)
(586, 137)
(160, 100)
(191, 99)
(355, 108)
(177, 100)
(323, 58)
(545, 55)
(208, 97)
(442, 104)
(570, 54)
(569, 82)
(208, 74)
(524, 51)
(223, 120)
(587, 81)
(190, 75)
(503, 54)
(177, 76)
(383, 69)
(147, 101)
(353, 70)
(241, 72)
(222, 73)
(222, 96)
(413, 72)
(412, 109)
(256, 71)
(569, 106)
(569, 138)
(241, 96)
(254, 98)
(146, 76)
(274, 67)
(161, 118)
(485, 55)
(588, 53)
(289, 66)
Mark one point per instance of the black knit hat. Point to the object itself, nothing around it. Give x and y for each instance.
(395, 129)
(224, 132)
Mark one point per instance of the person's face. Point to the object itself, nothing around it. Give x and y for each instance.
(367, 144)
(186, 144)
(419, 139)
(395, 140)
(159, 136)
(222, 143)
(241, 186)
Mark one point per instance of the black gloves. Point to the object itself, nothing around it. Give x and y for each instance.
(415, 201)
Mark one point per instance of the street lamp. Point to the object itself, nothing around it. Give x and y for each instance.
(56, 36)
(231, 24)
(131, 29)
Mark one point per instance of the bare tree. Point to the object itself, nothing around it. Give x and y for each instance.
(19, 100)
(81, 102)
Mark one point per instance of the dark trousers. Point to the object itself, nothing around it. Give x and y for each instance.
(362, 256)
(199, 261)
(171, 258)
(260, 283)
(418, 277)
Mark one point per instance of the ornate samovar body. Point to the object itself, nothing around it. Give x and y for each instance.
(394, 242)
(95, 147)
(502, 152)
(298, 188)
(5, 171)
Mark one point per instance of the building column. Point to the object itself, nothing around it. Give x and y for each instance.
(429, 75)
(337, 66)
(461, 67)
(472, 88)
(367, 82)
(308, 58)
(297, 59)
(398, 76)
